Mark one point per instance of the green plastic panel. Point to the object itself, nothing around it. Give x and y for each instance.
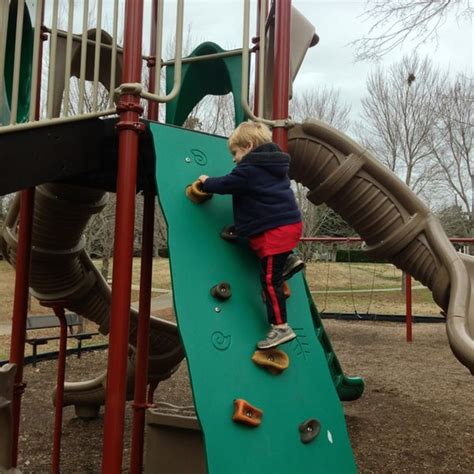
(348, 388)
(25, 64)
(4, 110)
(219, 336)
(198, 79)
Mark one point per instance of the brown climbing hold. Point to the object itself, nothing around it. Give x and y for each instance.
(195, 193)
(309, 430)
(273, 360)
(221, 291)
(246, 414)
(229, 233)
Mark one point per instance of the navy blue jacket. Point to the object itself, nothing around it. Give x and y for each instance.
(261, 194)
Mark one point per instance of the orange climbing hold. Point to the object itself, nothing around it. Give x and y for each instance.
(286, 290)
(273, 360)
(246, 414)
(195, 193)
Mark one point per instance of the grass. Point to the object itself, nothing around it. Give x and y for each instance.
(322, 278)
(358, 276)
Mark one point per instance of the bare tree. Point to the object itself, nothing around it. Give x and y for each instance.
(453, 142)
(99, 235)
(216, 114)
(160, 239)
(455, 220)
(397, 21)
(324, 104)
(5, 202)
(399, 112)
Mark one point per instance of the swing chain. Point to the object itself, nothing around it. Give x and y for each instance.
(350, 278)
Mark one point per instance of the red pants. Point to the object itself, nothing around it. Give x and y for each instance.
(273, 247)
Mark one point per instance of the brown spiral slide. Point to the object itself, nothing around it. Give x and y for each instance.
(390, 218)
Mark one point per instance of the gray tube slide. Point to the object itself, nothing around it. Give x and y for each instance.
(391, 219)
(61, 269)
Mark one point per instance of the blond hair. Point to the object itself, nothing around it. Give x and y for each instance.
(247, 133)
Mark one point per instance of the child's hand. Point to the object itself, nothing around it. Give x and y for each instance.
(203, 178)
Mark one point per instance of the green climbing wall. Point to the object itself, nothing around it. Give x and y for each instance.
(219, 337)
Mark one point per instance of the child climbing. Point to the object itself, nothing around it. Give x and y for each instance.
(265, 212)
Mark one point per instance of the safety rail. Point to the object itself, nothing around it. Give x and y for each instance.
(35, 88)
(69, 54)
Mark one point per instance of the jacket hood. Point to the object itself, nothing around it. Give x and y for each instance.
(270, 157)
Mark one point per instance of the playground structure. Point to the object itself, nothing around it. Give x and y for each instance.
(45, 223)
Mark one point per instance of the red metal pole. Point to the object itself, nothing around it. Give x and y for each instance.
(282, 70)
(20, 309)
(22, 276)
(408, 307)
(331, 239)
(146, 274)
(464, 240)
(129, 128)
(143, 335)
(60, 377)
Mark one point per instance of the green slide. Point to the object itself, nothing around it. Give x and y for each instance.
(25, 65)
(219, 336)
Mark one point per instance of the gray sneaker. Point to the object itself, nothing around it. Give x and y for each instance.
(293, 264)
(276, 336)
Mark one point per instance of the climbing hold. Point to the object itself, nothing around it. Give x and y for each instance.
(229, 233)
(273, 360)
(221, 291)
(246, 414)
(309, 429)
(195, 193)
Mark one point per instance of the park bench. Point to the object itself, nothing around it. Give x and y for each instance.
(50, 321)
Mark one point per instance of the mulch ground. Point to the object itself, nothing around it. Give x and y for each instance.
(416, 414)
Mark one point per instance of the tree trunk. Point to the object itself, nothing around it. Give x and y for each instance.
(105, 267)
(404, 284)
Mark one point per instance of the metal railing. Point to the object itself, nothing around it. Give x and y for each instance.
(64, 50)
(93, 56)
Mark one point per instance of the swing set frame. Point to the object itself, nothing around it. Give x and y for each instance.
(408, 278)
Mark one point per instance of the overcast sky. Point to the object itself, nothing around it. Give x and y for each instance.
(331, 62)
